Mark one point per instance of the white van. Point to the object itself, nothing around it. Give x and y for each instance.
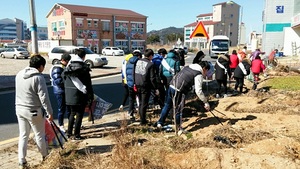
(91, 58)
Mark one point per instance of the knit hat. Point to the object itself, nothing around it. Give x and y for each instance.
(66, 57)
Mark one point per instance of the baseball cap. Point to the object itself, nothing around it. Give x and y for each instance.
(66, 57)
(136, 51)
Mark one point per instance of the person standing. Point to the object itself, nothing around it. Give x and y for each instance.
(124, 81)
(180, 85)
(222, 68)
(199, 56)
(59, 89)
(242, 70)
(257, 67)
(79, 91)
(130, 68)
(157, 60)
(169, 67)
(31, 97)
(234, 61)
(145, 81)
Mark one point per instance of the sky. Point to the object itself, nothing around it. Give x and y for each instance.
(161, 13)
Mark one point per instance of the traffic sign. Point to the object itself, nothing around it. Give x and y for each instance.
(199, 32)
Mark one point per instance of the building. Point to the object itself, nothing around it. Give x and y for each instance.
(11, 29)
(42, 33)
(224, 20)
(97, 27)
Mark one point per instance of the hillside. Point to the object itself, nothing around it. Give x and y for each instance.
(166, 31)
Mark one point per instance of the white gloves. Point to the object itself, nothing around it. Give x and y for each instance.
(207, 106)
(156, 92)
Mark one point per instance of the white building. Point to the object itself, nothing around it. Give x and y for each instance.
(281, 25)
(224, 20)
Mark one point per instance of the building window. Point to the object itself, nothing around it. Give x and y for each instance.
(137, 45)
(231, 15)
(137, 27)
(105, 25)
(53, 27)
(89, 23)
(79, 42)
(96, 23)
(61, 25)
(79, 22)
(105, 43)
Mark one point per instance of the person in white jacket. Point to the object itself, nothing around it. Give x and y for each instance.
(31, 96)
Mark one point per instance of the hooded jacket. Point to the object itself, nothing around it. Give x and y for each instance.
(145, 74)
(56, 78)
(31, 90)
(77, 68)
(238, 73)
(184, 80)
(173, 63)
(257, 66)
(221, 74)
(234, 61)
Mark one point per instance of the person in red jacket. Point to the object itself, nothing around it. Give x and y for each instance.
(234, 61)
(257, 67)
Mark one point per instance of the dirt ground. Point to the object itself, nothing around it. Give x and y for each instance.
(259, 130)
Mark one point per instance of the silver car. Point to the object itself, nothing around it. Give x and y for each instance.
(15, 53)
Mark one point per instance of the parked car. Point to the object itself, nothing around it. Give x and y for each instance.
(2, 50)
(15, 53)
(91, 58)
(114, 51)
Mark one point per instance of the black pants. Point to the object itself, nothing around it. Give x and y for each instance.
(144, 95)
(220, 82)
(132, 96)
(125, 95)
(239, 83)
(77, 110)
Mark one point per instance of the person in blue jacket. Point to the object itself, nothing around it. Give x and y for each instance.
(59, 89)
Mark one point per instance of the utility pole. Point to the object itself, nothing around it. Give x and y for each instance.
(33, 27)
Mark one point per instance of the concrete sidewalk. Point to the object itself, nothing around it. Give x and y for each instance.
(8, 148)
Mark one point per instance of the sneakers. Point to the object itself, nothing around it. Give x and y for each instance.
(217, 96)
(121, 108)
(225, 95)
(79, 138)
(62, 129)
(159, 125)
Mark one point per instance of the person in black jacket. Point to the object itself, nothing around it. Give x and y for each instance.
(78, 89)
(59, 89)
(242, 70)
(145, 81)
(180, 85)
(222, 69)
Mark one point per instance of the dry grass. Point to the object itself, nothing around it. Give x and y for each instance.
(137, 147)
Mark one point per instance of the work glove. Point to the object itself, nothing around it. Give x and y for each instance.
(157, 92)
(207, 106)
(135, 88)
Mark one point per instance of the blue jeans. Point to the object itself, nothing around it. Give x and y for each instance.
(179, 101)
(62, 108)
